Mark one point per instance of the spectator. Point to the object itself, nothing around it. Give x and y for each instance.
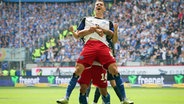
(13, 71)
(23, 71)
(5, 72)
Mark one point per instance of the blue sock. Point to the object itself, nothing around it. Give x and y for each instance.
(116, 89)
(120, 85)
(88, 90)
(106, 99)
(71, 85)
(82, 99)
(97, 95)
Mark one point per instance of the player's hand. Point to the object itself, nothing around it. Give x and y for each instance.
(99, 32)
(71, 29)
(115, 26)
(92, 29)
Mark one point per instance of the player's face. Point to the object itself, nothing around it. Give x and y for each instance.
(99, 7)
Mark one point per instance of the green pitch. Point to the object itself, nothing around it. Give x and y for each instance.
(32, 95)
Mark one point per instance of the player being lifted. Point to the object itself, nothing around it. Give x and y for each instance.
(122, 95)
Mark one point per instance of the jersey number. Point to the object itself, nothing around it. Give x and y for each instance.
(104, 76)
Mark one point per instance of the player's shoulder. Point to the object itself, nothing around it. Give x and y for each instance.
(110, 21)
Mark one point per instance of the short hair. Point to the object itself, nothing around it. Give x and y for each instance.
(99, 1)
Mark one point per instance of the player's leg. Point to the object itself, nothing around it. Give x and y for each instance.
(88, 91)
(82, 95)
(85, 82)
(108, 61)
(85, 59)
(116, 89)
(72, 84)
(113, 85)
(119, 82)
(121, 97)
(96, 96)
(69, 90)
(105, 95)
(100, 80)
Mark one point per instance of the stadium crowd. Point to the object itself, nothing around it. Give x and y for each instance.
(150, 31)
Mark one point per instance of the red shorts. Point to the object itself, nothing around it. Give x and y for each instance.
(95, 50)
(96, 74)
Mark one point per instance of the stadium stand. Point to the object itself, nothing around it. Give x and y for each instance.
(151, 32)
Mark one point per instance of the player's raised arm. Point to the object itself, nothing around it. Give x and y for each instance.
(115, 36)
(75, 34)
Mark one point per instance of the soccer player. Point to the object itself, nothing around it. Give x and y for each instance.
(95, 31)
(98, 76)
(121, 96)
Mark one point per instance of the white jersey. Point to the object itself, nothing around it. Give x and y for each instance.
(92, 21)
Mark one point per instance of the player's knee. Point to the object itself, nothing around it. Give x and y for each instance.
(113, 69)
(103, 91)
(83, 88)
(79, 69)
(113, 83)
